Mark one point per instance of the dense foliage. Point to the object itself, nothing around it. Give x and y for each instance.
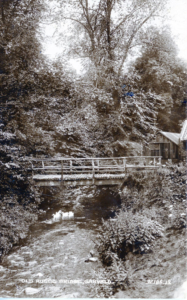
(127, 232)
(105, 113)
(21, 77)
(106, 31)
(20, 48)
(160, 71)
(153, 209)
(19, 200)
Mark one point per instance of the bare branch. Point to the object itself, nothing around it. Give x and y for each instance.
(132, 37)
(76, 20)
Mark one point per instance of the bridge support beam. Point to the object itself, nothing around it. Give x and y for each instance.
(93, 172)
(97, 182)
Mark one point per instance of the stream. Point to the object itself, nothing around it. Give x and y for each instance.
(53, 262)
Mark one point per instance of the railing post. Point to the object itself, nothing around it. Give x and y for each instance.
(93, 171)
(98, 163)
(32, 170)
(160, 161)
(124, 164)
(154, 161)
(62, 170)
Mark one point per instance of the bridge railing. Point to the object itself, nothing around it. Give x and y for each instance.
(76, 166)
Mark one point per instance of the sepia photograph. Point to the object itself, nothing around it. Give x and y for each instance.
(93, 149)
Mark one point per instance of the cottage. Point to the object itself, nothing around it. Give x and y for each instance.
(166, 144)
(169, 145)
(183, 141)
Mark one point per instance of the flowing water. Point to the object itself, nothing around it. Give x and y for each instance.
(52, 262)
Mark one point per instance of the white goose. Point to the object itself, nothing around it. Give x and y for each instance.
(68, 215)
(71, 215)
(58, 216)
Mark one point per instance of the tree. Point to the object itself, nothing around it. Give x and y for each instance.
(19, 45)
(105, 31)
(161, 72)
(27, 82)
(23, 69)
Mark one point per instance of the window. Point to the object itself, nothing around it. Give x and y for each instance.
(165, 150)
(154, 152)
(175, 151)
(185, 145)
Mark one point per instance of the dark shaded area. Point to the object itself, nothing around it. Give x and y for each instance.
(104, 204)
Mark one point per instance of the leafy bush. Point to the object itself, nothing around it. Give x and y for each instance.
(155, 191)
(151, 204)
(127, 233)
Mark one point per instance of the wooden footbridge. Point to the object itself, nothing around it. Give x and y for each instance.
(89, 171)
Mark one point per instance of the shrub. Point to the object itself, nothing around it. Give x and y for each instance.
(127, 233)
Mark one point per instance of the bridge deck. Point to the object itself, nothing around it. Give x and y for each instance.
(78, 177)
(86, 171)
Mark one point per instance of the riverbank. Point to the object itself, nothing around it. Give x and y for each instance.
(23, 204)
(151, 264)
(20, 200)
(58, 255)
(18, 206)
(52, 263)
(144, 248)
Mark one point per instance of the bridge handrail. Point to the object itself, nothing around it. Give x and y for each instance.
(91, 158)
(121, 164)
(79, 167)
(95, 167)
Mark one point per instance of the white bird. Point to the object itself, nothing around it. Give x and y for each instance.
(71, 215)
(68, 215)
(58, 216)
(65, 216)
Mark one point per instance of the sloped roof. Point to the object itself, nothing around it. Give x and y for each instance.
(172, 136)
(183, 136)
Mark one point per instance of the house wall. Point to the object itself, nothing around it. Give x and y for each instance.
(183, 150)
(162, 146)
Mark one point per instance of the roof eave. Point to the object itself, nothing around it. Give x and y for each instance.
(176, 143)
